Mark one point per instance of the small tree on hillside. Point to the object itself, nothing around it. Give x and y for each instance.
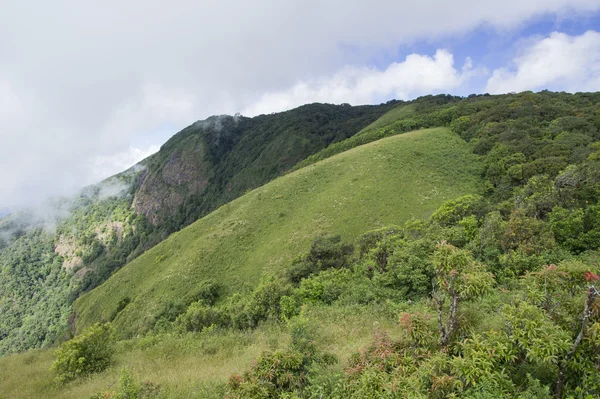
(90, 352)
(458, 278)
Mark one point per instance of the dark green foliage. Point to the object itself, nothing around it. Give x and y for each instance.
(326, 252)
(171, 310)
(455, 210)
(576, 229)
(263, 303)
(87, 353)
(282, 372)
(199, 316)
(368, 241)
(123, 302)
(207, 293)
(540, 192)
(34, 292)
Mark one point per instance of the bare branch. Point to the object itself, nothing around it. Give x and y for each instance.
(593, 293)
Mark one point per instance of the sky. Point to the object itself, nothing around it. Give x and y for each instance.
(87, 89)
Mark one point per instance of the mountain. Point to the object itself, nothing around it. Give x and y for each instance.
(71, 245)
(385, 182)
(448, 247)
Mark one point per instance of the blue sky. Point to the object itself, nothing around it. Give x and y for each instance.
(491, 48)
(486, 46)
(87, 89)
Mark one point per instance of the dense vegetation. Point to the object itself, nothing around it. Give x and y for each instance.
(42, 267)
(261, 232)
(495, 294)
(50, 256)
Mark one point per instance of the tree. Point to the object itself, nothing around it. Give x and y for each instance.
(90, 352)
(457, 278)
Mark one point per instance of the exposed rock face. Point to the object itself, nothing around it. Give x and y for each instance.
(67, 248)
(106, 231)
(175, 177)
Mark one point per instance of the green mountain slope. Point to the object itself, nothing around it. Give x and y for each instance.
(381, 183)
(540, 182)
(49, 257)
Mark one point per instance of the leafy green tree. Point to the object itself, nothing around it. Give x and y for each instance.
(458, 278)
(87, 353)
(451, 212)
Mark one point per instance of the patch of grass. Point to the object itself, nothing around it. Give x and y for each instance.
(193, 365)
(381, 183)
(390, 124)
(400, 112)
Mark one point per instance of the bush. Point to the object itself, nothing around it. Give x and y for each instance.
(90, 352)
(123, 302)
(263, 303)
(128, 389)
(198, 316)
(207, 292)
(282, 373)
(326, 252)
(453, 211)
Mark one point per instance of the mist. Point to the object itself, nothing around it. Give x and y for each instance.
(48, 214)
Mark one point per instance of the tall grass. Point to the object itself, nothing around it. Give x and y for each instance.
(193, 365)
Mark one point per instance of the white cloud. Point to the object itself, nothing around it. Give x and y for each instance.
(81, 80)
(10, 105)
(417, 74)
(104, 166)
(560, 61)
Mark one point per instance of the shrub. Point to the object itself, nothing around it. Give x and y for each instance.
(327, 287)
(453, 211)
(90, 352)
(372, 239)
(279, 374)
(170, 311)
(326, 252)
(288, 307)
(128, 389)
(246, 311)
(207, 292)
(123, 302)
(198, 316)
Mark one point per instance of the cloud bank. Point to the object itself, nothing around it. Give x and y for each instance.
(416, 75)
(560, 61)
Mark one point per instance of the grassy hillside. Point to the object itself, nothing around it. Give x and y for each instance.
(382, 183)
(51, 255)
(539, 166)
(190, 366)
(399, 112)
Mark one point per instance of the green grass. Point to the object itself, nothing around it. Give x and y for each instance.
(389, 124)
(381, 183)
(400, 112)
(192, 366)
